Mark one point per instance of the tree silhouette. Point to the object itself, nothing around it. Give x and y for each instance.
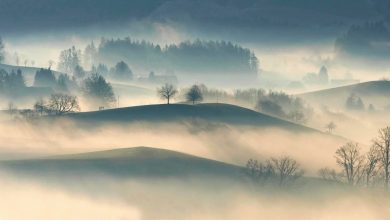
(194, 94)
(62, 103)
(287, 170)
(330, 127)
(167, 91)
(97, 88)
(44, 77)
(122, 71)
(382, 147)
(69, 59)
(351, 161)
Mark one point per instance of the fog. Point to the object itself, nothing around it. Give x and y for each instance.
(230, 144)
(273, 81)
(105, 198)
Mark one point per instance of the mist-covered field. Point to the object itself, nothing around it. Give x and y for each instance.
(144, 110)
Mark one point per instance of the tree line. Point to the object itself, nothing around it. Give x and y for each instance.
(370, 169)
(274, 103)
(203, 56)
(356, 169)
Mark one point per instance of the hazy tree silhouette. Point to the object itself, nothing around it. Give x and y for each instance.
(40, 107)
(330, 175)
(122, 71)
(370, 169)
(11, 84)
(62, 103)
(167, 91)
(78, 72)
(350, 160)
(97, 88)
(270, 107)
(330, 127)
(90, 54)
(65, 83)
(101, 69)
(45, 78)
(287, 170)
(194, 94)
(382, 147)
(354, 102)
(260, 172)
(69, 59)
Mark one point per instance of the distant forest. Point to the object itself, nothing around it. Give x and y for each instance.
(369, 40)
(201, 57)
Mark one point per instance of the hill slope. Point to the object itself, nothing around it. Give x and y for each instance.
(126, 162)
(217, 113)
(375, 92)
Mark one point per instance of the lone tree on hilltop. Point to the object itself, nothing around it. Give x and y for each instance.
(167, 91)
(194, 94)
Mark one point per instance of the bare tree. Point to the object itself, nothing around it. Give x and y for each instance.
(287, 170)
(167, 92)
(348, 157)
(330, 127)
(194, 94)
(382, 147)
(260, 172)
(370, 170)
(62, 104)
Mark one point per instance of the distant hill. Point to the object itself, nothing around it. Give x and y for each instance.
(217, 113)
(376, 92)
(126, 162)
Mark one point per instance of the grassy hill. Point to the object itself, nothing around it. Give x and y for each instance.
(218, 113)
(375, 92)
(126, 162)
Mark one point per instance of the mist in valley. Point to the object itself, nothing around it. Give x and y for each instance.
(263, 109)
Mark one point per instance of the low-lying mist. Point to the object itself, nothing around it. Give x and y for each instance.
(105, 198)
(227, 143)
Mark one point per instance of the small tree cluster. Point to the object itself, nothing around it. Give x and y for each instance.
(284, 106)
(283, 171)
(46, 78)
(58, 104)
(357, 169)
(11, 83)
(354, 102)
